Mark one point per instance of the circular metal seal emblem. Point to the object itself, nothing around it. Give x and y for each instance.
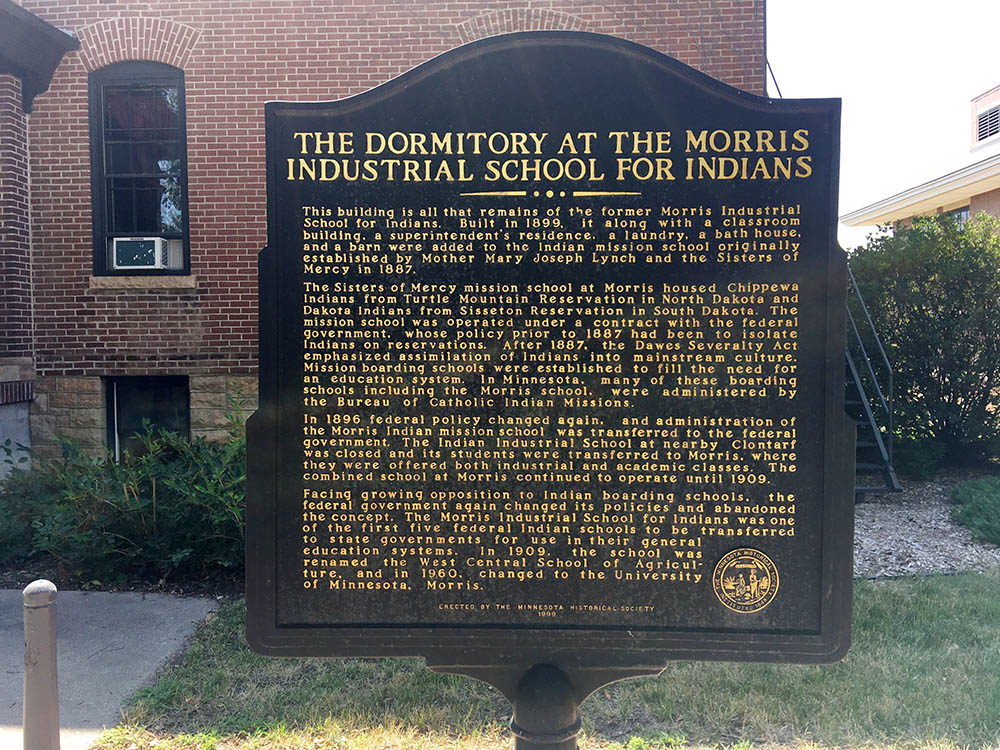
(745, 580)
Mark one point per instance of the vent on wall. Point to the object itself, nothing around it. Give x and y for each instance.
(989, 123)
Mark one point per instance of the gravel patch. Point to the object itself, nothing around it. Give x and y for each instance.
(911, 533)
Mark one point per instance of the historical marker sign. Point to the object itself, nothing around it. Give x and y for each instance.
(551, 367)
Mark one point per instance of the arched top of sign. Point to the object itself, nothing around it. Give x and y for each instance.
(519, 52)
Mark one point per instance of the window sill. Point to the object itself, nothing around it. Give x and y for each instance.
(143, 282)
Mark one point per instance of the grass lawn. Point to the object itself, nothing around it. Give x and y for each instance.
(924, 672)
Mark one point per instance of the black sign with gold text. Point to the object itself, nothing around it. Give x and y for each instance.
(551, 367)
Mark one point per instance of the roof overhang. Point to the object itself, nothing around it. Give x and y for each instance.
(949, 191)
(30, 49)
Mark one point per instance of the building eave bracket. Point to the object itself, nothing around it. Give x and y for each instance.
(30, 49)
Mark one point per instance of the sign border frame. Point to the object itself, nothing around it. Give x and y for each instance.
(576, 647)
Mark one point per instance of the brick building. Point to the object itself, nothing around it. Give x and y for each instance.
(153, 128)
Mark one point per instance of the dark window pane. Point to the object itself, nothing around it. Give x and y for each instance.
(140, 108)
(145, 205)
(143, 157)
(147, 134)
(161, 400)
(142, 137)
(121, 207)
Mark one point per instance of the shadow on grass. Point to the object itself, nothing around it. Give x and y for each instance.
(224, 688)
(924, 671)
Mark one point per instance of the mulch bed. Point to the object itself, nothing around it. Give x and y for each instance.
(224, 585)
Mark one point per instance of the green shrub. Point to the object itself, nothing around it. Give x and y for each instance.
(26, 496)
(23, 497)
(979, 507)
(174, 508)
(919, 459)
(934, 294)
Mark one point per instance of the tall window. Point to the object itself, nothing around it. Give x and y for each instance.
(138, 169)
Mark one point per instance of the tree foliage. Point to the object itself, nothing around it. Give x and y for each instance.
(933, 291)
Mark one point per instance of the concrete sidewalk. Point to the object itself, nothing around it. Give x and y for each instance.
(108, 645)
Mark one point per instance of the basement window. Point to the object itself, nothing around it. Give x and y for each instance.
(163, 401)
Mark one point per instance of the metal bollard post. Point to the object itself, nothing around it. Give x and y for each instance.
(40, 706)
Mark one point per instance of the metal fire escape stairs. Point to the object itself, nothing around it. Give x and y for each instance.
(868, 399)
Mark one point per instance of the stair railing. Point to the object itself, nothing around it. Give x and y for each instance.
(882, 398)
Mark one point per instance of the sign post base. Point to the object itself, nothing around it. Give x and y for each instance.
(545, 711)
(546, 698)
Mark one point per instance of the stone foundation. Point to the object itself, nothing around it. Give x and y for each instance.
(74, 407)
(215, 399)
(68, 407)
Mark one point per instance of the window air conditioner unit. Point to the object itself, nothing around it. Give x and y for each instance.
(139, 253)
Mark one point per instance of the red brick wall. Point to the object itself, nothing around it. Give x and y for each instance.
(235, 57)
(988, 202)
(15, 268)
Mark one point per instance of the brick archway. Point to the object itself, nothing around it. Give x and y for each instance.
(519, 19)
(119, 39)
